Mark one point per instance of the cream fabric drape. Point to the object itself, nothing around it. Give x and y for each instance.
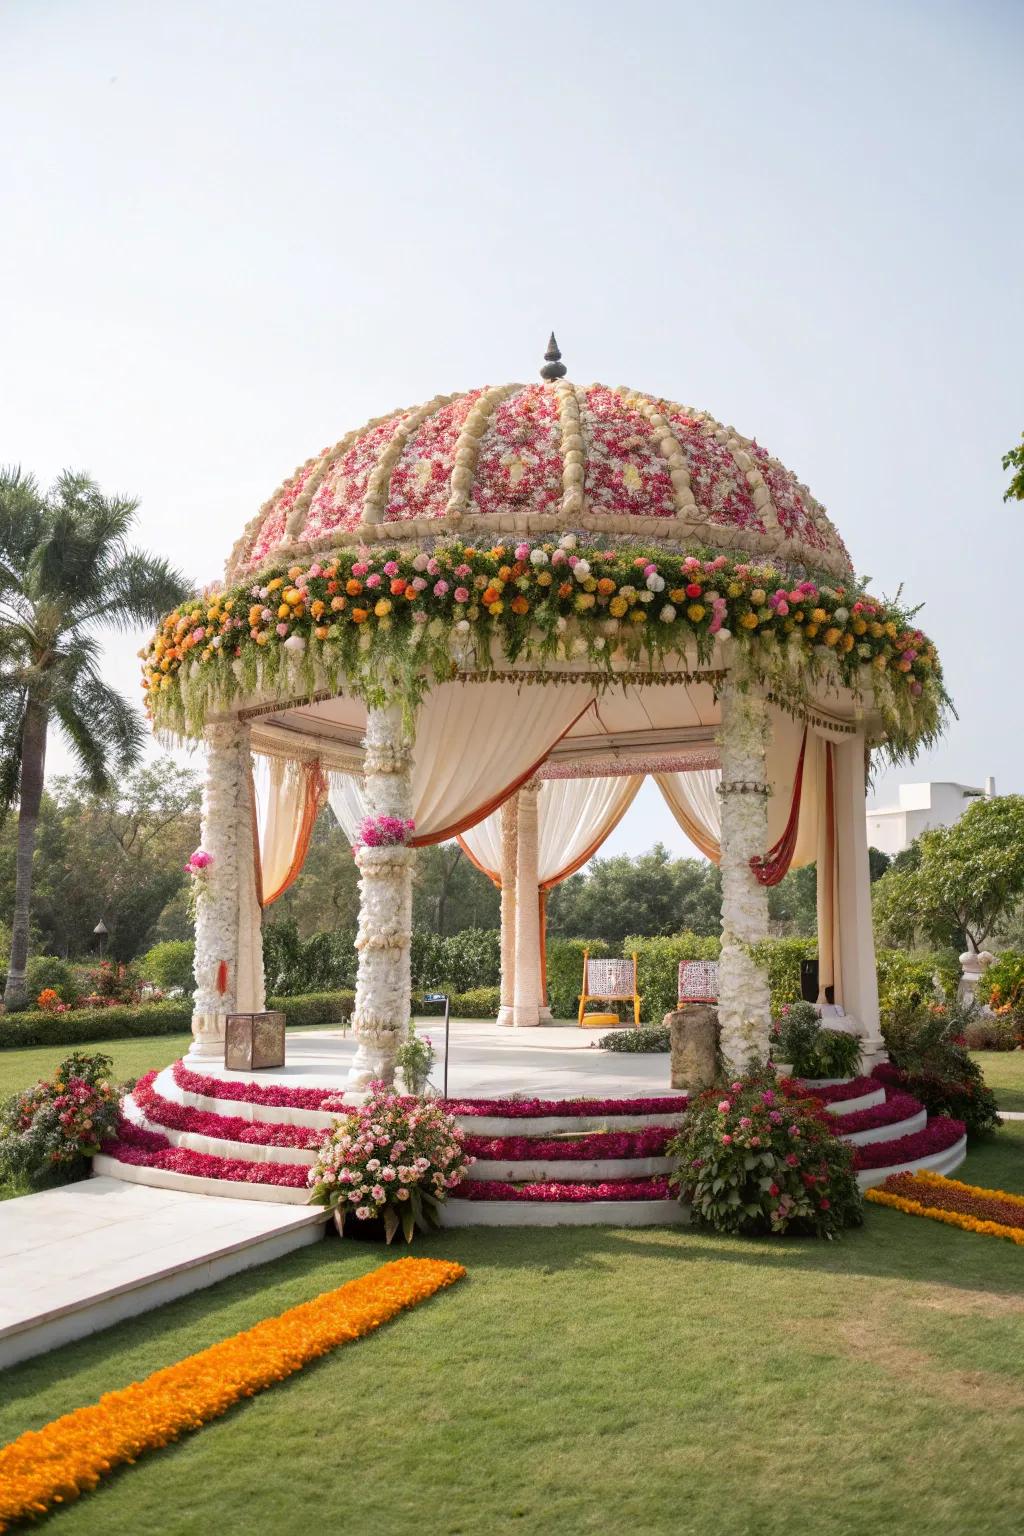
(475, 744)
(574, 818)
(287, 796)
(693, 800)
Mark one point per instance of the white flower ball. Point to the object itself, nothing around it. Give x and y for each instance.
(538, 557)
(841, 615)
(581, 570)
(667, 614)
(599, 643)
(462, 627)
(295, 643)
(645, 597)
(655, 583)
(567, 541)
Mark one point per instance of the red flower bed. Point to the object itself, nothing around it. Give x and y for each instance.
(254, 1093)
(938, 1135)
(649, 1142)
(525, 1109)
(204, 1122)
(856, 1088)
(147, 1149)
(899, 1107)
(611, 1189)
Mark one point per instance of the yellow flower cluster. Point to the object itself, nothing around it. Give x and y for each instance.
(53, 1465)
(952, 1218)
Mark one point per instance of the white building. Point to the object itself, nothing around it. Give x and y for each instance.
(921, 807)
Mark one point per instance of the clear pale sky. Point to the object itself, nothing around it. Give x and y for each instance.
(231, 231)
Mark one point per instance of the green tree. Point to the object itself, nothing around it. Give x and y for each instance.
(1015, 460)
(953, 885)
(66, 571)
(652, 894)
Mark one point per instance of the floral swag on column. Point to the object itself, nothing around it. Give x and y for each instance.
(744, 1009)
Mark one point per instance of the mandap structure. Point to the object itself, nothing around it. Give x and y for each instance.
(489, 617)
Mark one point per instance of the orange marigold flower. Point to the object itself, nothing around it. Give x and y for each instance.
(353, 587)
(359, 615)
(520, 605)
(398, 586)
(565, 589)
(317, 607)
(606, 586)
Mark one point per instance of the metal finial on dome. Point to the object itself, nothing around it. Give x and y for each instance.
(553, 368)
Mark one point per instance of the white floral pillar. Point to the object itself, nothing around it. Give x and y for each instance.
(383, 980)
(526, 995)
(509, 860)
(853, 892)
(744, 1011)
(229, 947)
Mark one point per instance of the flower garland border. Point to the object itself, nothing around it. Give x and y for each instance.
(386, 622)
(982, 1199)
(69, 1456)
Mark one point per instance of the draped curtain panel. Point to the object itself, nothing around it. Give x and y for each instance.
(830, 966)
(287, 798)
(475, 745)
(693, 800)
(575, 816)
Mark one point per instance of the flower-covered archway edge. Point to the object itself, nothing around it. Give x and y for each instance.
(386, 621)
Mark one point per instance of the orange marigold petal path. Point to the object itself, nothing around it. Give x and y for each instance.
(55, 1464)
(920, 1182)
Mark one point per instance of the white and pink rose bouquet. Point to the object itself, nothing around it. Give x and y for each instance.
(393, 1158)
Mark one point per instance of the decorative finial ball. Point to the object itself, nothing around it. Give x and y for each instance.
(553, 368)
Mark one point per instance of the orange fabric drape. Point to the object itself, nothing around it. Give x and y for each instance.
(313, 801)
(771, 867)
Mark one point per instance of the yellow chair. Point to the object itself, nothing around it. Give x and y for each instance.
(608, 981)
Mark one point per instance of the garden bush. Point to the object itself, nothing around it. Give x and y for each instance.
(49, 971)
(477, 1003)
(315, 1008)
(48, 1132)
(294, 967)
(169, 964)
(654, 1038)
(801, 1041)
(754, 1160)
(565, 973)
(927, 1060)
(1002, 1032)
(79, 1026)
(906, 981)
(457, 962)
(781, 959)
(1003, 986)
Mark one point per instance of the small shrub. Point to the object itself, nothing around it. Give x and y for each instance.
(927, 1059)
(169, 964)
(48, 1132)
(1003, 987)
(811, 1049)
(654, 1038)
(754, 1160)
(906, 982)
(114, 983)
(992, 1034)
(478, 1003)
(414, 1059)
(314, 1008)
(48, 973)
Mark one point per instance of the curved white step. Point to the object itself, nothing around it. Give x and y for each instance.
(563, 1213)
(217, 1146)
(891, 1132)
(849, 1106)
(571, 1170)
(165, 1178)
(242, 1109)
(935, 1162)
(548, 1125)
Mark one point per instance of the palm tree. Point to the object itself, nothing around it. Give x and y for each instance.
(65, 572)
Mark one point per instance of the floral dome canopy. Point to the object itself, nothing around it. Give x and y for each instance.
(539, 458)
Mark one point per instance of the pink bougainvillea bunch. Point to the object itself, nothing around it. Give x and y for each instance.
(384, 832)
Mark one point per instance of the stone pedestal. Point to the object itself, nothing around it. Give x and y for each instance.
(973, 965)
(693, 1033)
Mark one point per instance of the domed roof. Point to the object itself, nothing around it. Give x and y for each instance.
(539, 458)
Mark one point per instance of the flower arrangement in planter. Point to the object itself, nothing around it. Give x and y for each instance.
(798, 1038)
(415, 1057)
(48, 1131)
(390, 1159)
(754, 1160)
(384, 832)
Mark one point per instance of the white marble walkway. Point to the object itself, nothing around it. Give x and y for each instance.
(79, 1258)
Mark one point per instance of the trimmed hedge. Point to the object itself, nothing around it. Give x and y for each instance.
(477, 1003)
(84, 1025)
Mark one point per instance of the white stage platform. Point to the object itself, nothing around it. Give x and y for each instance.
(486, 1061)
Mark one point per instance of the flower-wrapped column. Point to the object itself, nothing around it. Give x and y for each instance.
(383, 979)
(229, 950)
(853, 888)
(526, 1004)
(509, 860)
(744, 1011)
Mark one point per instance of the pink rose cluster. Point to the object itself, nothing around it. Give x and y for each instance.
(384, 832)
(393, 1158)
(198, 863)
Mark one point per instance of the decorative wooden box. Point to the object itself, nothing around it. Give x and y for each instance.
(253, 1041)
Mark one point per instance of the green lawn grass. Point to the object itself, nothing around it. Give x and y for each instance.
(1004, 1071)
(597, 1380)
